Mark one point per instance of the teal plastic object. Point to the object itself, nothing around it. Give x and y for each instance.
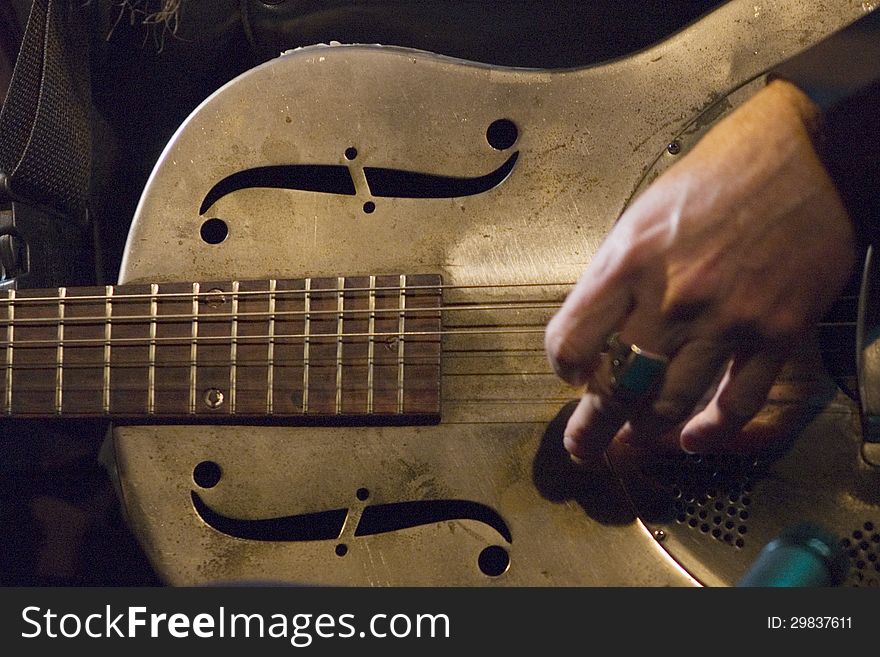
(805, 555)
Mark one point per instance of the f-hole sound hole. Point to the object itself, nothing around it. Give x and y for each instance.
(502, 134)
(207, 474)
(494, 561)
(214, 231)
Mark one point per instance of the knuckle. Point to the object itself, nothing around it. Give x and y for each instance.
(752, 330)
(563, 354)
(686, 300)
(783, 325)
(748, 321)
(672, 410)
(736, 410)
(693, 290)
(605, 402)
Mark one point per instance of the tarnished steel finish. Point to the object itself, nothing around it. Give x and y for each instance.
(585, 140)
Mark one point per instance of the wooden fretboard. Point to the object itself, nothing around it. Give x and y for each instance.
(355, 347)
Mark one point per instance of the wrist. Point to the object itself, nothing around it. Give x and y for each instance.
(797, 101)
(841, 77)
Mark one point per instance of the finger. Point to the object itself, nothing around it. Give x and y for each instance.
(689, 378)
(626, 380)
(741, 394)
(577, 333)
(591, 426)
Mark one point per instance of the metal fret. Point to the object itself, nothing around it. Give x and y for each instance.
(151, 376)
(108, 337)
(233, 349)
(340, 306)
(401, 325)
(9, 356)
(59, 352)
(371, 342)
(194, 349)
(270, 355)
(307, 302)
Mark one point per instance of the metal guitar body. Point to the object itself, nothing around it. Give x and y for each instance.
(503, 181)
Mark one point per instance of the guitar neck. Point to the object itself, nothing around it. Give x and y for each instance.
(357, 348)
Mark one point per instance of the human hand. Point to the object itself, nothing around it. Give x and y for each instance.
(723, 265)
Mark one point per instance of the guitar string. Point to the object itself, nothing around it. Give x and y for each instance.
(323, 390)
(219, 318)
(160, 320)
(520, 329)
(260, 316)
(254, 316)
(323, 381)
(329, 392)
(260, 340)
(165, 361)
(329, 388)
(213, 294)
(317, 361)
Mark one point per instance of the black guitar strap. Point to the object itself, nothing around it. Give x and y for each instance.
(45, 128)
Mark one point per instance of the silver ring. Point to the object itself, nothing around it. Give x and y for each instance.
(632, 371)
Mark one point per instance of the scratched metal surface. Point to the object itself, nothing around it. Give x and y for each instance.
(587, 137)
